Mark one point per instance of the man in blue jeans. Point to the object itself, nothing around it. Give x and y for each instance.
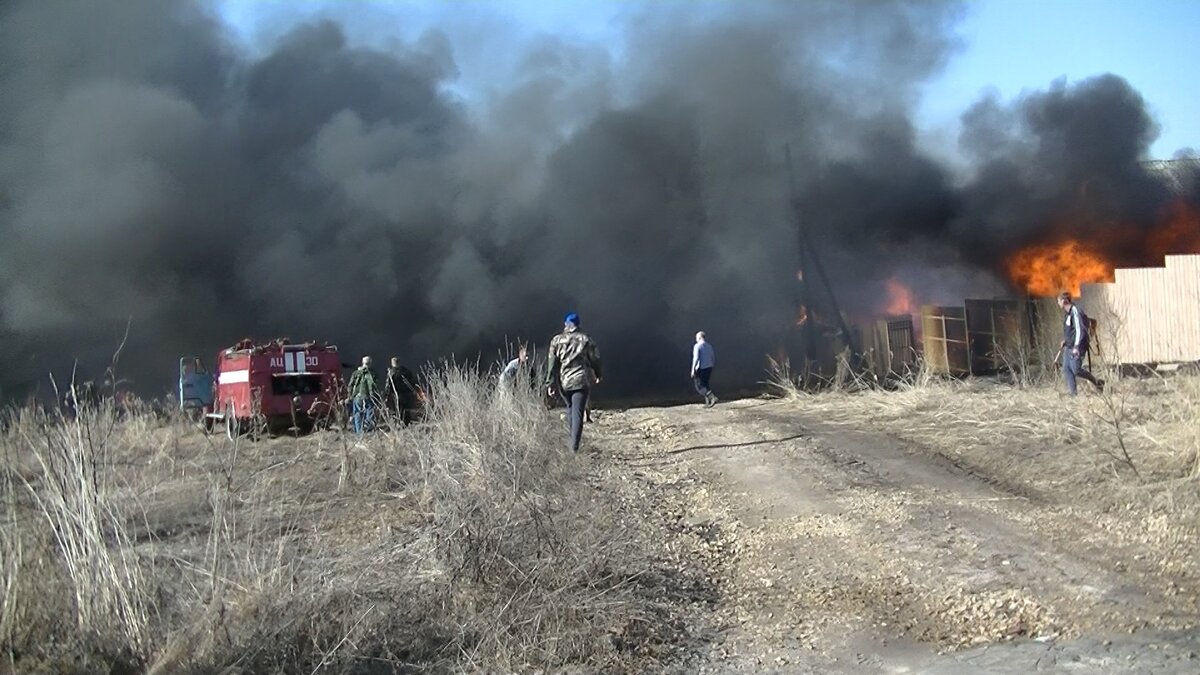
(1075, 344)
(363, 391)
(573, 367)
(703, 360)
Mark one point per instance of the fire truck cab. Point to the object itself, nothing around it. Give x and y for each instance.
(267, 387)
(195, 387)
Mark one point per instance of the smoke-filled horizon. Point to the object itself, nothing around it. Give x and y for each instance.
(155, 175)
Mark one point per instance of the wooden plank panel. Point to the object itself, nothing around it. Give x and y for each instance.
(1175, 337)
(1097, 301)
(1129, 292)
(1140, 311)
(944, 334)
(1124, 328)
(901, 354)
(1185, 274)
(981, 335)
(1191, 274)
(1187, 271)
(933, 339)
(1159, 317)
(1117, 319)
(1155, 312)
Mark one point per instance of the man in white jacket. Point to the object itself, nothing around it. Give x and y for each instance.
(703, 360)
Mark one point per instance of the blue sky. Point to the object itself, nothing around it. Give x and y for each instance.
(1013, 45)
(1007, 45)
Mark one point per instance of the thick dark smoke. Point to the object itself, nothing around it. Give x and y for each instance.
(153, 174)
(1068, 162)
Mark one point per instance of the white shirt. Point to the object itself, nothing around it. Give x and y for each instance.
(703, 356)
(510, 370)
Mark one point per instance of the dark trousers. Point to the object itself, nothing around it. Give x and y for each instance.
(1073, 368)
(700, 379)
(576, 401)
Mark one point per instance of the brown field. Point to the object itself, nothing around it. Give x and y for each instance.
(833, 532)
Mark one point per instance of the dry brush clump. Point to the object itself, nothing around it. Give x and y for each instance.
(72, 573)
(539, 565)
(470, 541)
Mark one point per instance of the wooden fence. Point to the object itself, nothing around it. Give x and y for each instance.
(986, 336)
(945, 341)
(1148, 315)
(889, 348)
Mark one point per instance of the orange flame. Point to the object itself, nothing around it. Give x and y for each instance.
(1046, 269)
(900, 298)
(802, 317)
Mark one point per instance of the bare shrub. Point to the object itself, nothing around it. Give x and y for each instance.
(781, 380)
(531, 550)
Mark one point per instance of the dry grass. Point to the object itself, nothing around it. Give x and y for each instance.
(1137, 443)
(470, 542)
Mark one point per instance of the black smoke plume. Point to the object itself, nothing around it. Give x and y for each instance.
(156, 174)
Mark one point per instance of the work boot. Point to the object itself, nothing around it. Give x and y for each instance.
(1100, 386)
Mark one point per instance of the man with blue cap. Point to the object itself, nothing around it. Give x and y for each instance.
(573, 367)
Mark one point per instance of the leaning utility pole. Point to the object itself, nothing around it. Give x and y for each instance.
(808, 325)
(810, 262)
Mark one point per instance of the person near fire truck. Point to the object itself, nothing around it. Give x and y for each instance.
(400, 396)
(363, 392)
(573, 366)
(1075, 344)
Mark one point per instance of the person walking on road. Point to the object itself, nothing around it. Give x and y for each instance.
(363, 391)
(1076, 341)
(703, 360)
(572, 368)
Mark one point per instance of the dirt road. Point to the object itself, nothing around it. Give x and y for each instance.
(823, 548)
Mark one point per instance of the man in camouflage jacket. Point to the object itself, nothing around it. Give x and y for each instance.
(573, 367)
(363, 392)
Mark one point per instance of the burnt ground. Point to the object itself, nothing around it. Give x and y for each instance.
(789, 544)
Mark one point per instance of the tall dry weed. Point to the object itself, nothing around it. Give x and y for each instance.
(518, 530)
(62, 481)
(469, 541)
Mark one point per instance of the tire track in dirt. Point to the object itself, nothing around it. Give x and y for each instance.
(847, 552)
(1014, 532)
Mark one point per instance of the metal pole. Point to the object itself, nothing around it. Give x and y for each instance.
(809, 335)
(808, 252)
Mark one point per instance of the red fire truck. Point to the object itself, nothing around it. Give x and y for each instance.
(267, 387)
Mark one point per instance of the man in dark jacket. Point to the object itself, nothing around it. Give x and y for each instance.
(401, 394)
(1075, 344)
(573, 367)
